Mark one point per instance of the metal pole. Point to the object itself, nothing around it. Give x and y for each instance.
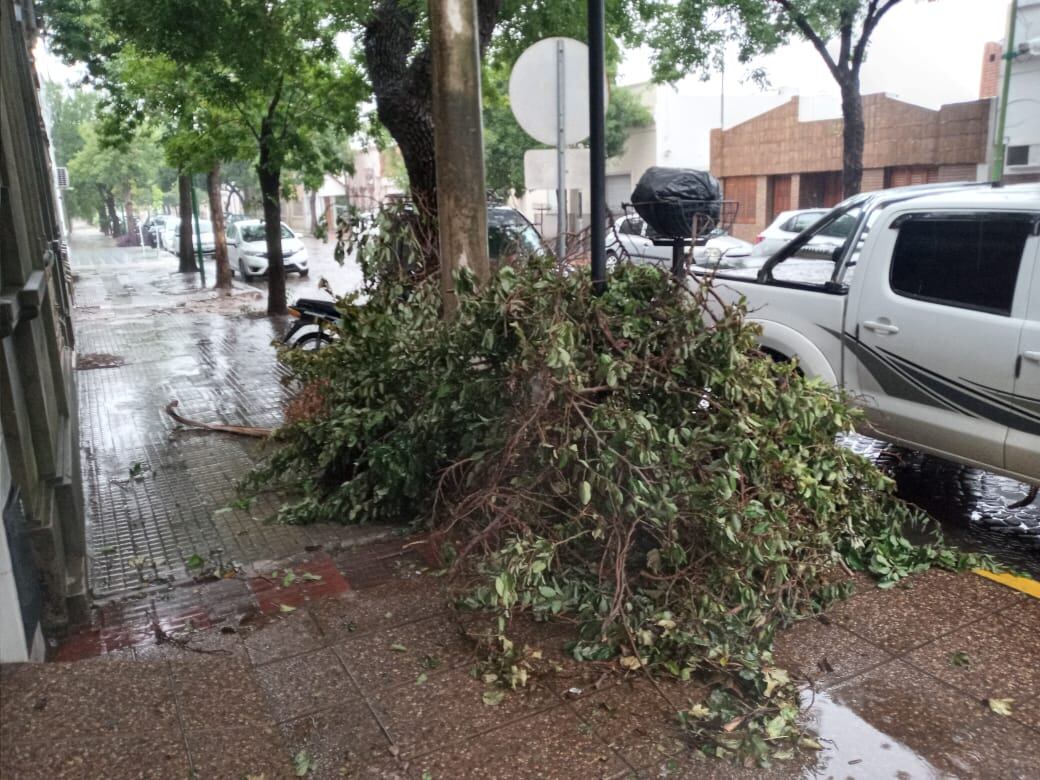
(561, 136)
(597, 148)
(198, 232)
(999, 147)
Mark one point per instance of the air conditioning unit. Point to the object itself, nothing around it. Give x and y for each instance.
(62, 174)
(1030, 48)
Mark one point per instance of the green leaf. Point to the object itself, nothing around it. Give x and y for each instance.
(195, 561)
(398, 648)
(422, 678)
(1000, 706)
(585, 492)
(302, 763)
(286, 608)
(288, 578)
(493, 697)
(308, 577)
(960, 658)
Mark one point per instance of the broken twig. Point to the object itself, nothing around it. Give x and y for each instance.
(241, 430)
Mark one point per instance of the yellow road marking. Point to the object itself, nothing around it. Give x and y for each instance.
(1023, 584)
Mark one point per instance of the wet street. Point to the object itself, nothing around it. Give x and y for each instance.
(970, 504)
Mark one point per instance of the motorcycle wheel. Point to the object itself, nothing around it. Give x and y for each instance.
(312, 341)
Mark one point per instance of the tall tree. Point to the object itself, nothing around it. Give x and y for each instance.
(690, 35)
(119, 170)
(395, 39)
(273, 63)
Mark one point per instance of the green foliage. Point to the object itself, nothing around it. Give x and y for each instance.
(629, 462)
(691, 35)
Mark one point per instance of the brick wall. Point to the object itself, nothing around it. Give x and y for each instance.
(989, 83)
(897, 133)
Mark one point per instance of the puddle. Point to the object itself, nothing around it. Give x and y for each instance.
(854, 749)
(970, 504)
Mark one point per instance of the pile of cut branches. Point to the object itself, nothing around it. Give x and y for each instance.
(629, 461)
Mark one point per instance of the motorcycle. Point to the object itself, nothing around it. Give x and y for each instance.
(315, 326)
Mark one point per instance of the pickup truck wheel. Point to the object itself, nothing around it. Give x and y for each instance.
(780, 357)
(611, 260)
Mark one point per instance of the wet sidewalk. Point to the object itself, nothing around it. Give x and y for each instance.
(351, 664)
(158, 497)
(227, 647)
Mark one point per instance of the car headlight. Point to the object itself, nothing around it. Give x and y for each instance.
(712, 254)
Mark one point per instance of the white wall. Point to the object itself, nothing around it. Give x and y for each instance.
(1022, 127)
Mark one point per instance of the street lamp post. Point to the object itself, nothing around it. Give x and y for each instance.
(999, 145)
(597, 147)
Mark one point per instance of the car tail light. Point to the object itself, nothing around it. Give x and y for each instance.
(294, 312)
(759, 239)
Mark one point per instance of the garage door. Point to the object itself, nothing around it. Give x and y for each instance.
(619, 190)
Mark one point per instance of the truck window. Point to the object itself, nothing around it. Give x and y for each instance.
(969, 261)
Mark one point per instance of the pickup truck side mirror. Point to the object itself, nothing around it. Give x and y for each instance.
(836, 254)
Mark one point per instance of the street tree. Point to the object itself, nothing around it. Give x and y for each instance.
(691, 35)
(69, 110)
(397, 62)
(119, 170)
(274, 65)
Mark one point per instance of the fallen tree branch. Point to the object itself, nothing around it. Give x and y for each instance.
(240, 430)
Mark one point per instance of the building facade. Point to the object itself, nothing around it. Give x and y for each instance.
(1022, 124)
(777, 161)
(43, 572)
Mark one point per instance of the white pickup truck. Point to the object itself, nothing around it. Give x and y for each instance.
(928, 315)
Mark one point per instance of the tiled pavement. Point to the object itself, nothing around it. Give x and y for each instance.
(354, 666)
(157, 495)
(366, 672)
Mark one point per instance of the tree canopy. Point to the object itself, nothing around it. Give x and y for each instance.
(691, 36)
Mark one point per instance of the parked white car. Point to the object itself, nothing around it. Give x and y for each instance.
(789, 224)
(171, 235)
(247, 249)
(167, 235)
(937, 335)
(632, 236)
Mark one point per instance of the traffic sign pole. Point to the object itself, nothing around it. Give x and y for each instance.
(561, 146)
(597, 147)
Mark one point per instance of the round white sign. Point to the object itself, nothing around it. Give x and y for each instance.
(533, 90)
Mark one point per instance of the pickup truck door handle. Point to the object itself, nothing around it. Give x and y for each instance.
(880, 327)
(1032, 355)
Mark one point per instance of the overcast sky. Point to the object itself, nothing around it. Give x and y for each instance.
(924, 52)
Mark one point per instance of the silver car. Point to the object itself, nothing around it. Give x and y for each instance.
(631, 236)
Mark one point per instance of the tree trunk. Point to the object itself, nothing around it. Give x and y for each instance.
(403, 89)
(220, 255)
(113, 217)
(131, 221)
(103, 221)
(186, 248)
(270, 173)
(853, 134)
(312, 196)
